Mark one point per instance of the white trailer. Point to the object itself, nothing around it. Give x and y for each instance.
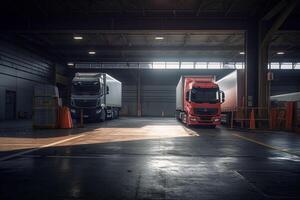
(97, 95)
(234, 89)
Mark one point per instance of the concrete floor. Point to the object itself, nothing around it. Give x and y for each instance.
(148, 158)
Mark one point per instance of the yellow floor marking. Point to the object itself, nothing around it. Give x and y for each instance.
(265, 145)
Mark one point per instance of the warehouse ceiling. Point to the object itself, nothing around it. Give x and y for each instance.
(150, 30)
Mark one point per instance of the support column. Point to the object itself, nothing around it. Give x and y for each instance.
(263, 57)
(251, 67)
(258, 38)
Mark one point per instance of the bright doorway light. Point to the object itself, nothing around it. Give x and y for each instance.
(159, 65)
(280, 53)
(201, 65)
(214, 65)
(70, 64)
(286, 65)
(187, 65)
(172, 65)
(92, 52)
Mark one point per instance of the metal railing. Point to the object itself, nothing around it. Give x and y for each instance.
(277, 118)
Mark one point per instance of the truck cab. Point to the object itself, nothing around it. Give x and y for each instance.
(202, 103)
(198, 101)
(88, 96)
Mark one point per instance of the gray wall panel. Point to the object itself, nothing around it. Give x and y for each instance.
(129, 96)
(158, 100)
(20, 70)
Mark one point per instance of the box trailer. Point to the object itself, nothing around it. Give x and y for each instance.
(234, 88)
(98, 96)
(198, 101)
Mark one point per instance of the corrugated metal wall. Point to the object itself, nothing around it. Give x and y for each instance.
(129, 97)
(158, 100)
(20, 70)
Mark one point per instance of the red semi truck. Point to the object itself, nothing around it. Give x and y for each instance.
(198, 101)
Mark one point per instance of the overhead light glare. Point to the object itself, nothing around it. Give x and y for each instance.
(92, 52)
(77, 37)
(159, 38)
(280, 53)
(242, 52)
(70, 64)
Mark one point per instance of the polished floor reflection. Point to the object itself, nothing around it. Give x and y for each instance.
(148, 158)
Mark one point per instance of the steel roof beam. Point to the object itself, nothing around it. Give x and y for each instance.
(148, 48)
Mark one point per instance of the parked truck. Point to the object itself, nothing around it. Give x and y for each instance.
(198, 101)
(96, 96)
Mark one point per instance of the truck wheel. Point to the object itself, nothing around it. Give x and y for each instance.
(112, 113)
(117, 113)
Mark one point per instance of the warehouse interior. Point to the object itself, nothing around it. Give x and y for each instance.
(141, 151)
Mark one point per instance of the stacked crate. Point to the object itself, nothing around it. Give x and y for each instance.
(46, 103)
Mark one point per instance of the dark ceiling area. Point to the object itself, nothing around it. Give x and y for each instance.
(129, 30)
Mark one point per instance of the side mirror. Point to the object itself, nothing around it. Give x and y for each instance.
(222, 97)
(107, 90)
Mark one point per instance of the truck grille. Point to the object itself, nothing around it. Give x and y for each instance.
(205, 111)
(85, 103)
(206, 118)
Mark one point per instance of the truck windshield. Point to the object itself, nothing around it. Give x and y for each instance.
(205, 95)
(87, 88)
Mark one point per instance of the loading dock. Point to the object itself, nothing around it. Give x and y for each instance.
(146, 153)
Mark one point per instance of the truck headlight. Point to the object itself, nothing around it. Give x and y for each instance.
(193, 119)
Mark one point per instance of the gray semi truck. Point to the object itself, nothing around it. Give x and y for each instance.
(95, 96)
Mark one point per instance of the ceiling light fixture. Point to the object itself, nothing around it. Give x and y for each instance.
(70, 64)
(77, 37)
(280, 53)
(242, 52)
(92, 52)
(159, 38)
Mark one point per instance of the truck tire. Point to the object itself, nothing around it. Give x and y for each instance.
(117, 113)
(112, 114)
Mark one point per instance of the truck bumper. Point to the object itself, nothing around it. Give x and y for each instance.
(204, 120)
(87, 113)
